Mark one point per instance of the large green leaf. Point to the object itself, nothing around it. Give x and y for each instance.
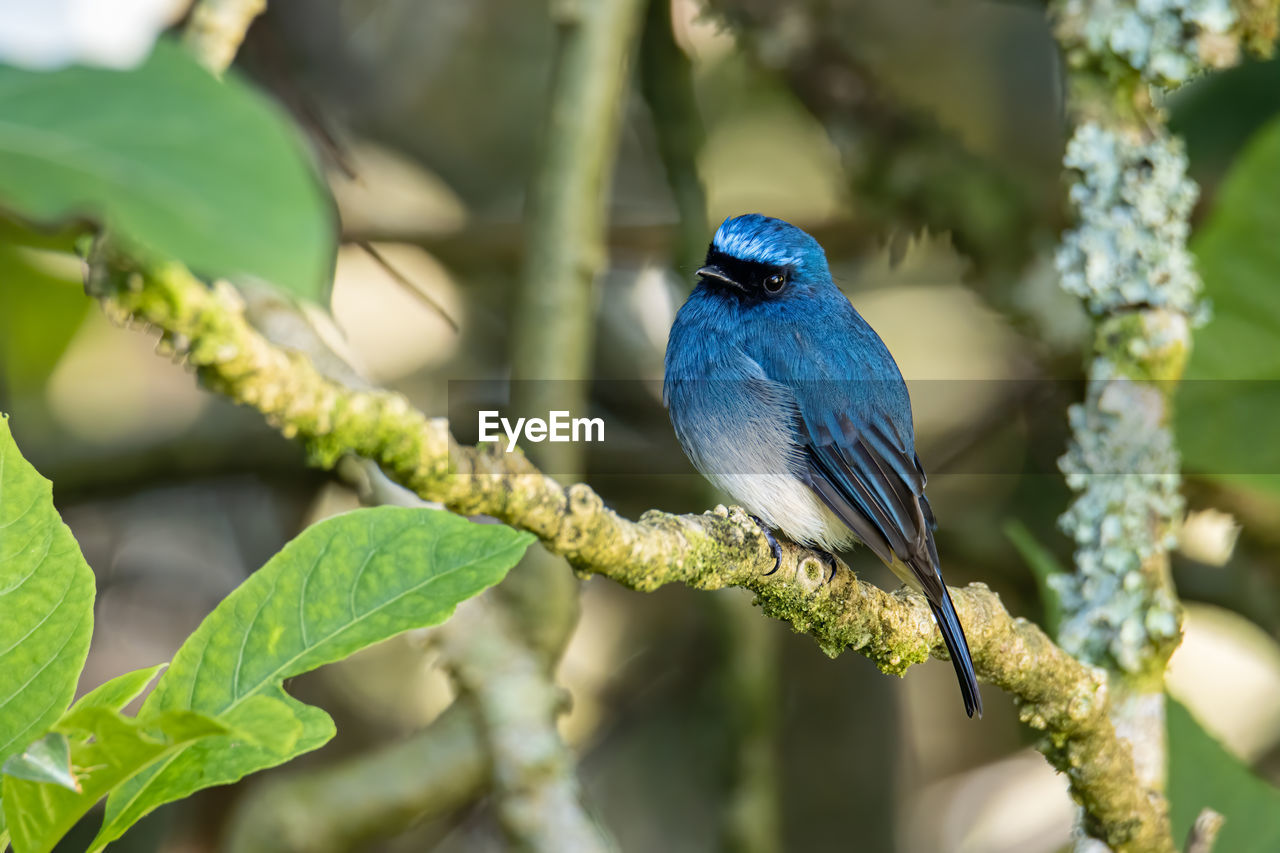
(106, 748)
(1230, 402)
(343, 584)
(1202, 773)
(46, 603)
(174, 161)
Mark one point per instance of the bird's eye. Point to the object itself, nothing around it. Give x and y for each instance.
(774, 282)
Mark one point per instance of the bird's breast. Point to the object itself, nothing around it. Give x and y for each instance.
(738, 429)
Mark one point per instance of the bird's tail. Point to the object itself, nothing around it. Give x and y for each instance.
(920, 573)
(953, 635)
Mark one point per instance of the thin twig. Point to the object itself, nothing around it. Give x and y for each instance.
(405, 282)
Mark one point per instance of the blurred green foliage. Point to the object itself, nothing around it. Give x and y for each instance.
(1203, 774)
(1043, 565)
(41, 307)
(1218, 114)
(1229, 404)
(227, 188)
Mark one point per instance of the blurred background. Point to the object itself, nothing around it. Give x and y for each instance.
(921, 142)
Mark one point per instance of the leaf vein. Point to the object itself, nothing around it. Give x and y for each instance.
(306, 580)
(275, 675)
(52, 659)
(248, 631)
(65, 592)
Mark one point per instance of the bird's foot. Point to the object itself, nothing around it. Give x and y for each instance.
(832, 562)
(774, 547)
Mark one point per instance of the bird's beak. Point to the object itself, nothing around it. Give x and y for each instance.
(712, 271)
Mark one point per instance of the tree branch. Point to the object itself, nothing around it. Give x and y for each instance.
(217, 27)
(503, 724)
(1058, 695)
(666, 80)
(750, 663)
(553, 325)
(565, 240)
(539, 801)
(1128, 174)
(344, 807)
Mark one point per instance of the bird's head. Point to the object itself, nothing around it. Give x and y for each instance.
(758, 258)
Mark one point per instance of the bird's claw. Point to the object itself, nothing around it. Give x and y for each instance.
(832, 563)
(774, 547)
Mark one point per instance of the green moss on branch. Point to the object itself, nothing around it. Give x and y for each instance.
(1056, 694)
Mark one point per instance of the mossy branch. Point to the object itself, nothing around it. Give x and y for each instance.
(1057, 695)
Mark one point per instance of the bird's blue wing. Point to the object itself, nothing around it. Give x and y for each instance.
(857, 464)
(860, 465)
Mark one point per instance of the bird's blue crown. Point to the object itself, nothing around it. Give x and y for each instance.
(765, 240)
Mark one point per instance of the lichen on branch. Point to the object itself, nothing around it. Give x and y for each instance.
(1127, 259)
(1059, 696)
(1164, 41)
(1132, 200)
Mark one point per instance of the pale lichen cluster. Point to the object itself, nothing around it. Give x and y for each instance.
(1132, 200)
(1123, 464)
(1165, 41)
(1127, 259)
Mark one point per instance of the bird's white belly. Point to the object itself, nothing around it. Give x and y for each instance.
(785, 503)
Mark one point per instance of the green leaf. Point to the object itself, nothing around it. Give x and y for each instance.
(1043, 566)
(42, 306)
(46, 760)
(174, 162)
(46, 603)
(1230, 391)
(342, 585)
(115, 694)
(106, 749)
(1202, 773)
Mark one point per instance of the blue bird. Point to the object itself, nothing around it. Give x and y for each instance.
(786, 399)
